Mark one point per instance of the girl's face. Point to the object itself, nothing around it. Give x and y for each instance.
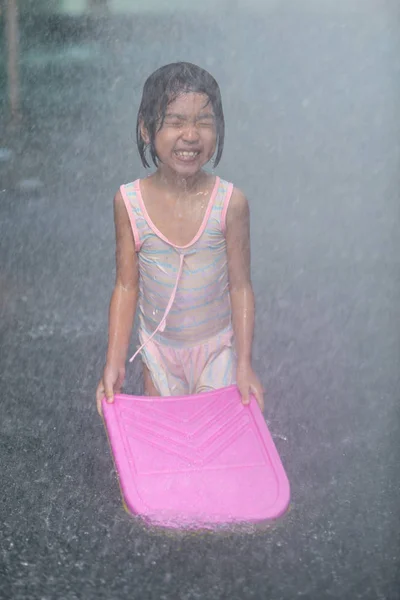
(187, 139)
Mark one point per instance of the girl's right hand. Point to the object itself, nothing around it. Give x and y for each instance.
(110, 384)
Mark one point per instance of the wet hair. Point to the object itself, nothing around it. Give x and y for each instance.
(163, 87)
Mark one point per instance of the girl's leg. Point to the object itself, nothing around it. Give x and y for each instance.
(149, 387)
(219, 365)
(162, 372)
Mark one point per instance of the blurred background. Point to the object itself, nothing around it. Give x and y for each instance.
(311, 98)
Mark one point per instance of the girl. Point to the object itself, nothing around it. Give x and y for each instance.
(182, 250)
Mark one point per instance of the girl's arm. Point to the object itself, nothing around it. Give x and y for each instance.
(241, 293)
(125, 294)
(122, 306)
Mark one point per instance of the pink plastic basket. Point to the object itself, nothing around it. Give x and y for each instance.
(197, 461)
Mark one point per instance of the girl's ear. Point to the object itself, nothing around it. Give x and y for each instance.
(144, 133)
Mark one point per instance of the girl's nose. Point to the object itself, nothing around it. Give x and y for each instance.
(190, 132)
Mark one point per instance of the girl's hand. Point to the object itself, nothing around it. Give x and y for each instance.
(248, 383)
(110, 384)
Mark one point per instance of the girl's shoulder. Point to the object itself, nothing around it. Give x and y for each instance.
(238, 199)
(130, 192)
(237, 195)
(236, 206)
(130, 186)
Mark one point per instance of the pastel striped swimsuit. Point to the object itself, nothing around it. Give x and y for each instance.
(185, 324)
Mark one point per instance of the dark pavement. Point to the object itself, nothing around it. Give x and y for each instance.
(311, 95)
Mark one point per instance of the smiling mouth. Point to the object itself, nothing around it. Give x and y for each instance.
(187, 154)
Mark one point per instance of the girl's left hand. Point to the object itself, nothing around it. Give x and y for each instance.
(248, 383)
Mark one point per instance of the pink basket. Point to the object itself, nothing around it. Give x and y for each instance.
(197, 460)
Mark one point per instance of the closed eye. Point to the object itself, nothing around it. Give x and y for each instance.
(205, 123)
(205, 120)
(174, 119)
(174, 122)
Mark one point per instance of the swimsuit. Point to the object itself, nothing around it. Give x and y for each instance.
(185, 324)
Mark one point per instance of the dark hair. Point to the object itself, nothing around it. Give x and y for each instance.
(163, 87)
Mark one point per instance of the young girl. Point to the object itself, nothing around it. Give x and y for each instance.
(182, 250)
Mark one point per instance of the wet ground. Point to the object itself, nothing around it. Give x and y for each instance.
(311, 96)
